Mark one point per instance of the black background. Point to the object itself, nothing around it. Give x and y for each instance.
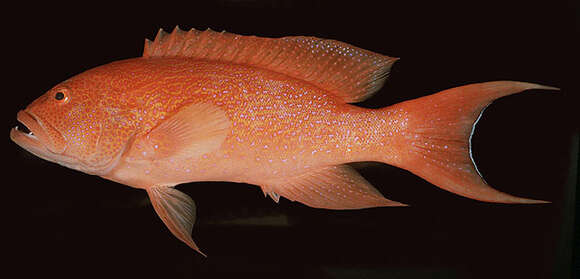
(63, 223)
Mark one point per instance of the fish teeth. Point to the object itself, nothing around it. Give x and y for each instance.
(26, 132)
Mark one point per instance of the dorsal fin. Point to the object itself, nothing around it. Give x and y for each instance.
(351, 73)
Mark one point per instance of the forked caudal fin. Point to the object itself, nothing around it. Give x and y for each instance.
(438, 138)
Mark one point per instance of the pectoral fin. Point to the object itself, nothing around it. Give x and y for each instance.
(194, 130)
(176, 210)
(333, 187)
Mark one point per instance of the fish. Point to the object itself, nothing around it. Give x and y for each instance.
(278, 113)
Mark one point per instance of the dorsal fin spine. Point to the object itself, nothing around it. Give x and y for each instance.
(147, 47)
(206, 41)
(241, 50)
(189, 42)
(170, 43)
(159, 42)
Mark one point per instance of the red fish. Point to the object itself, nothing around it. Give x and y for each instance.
(276, 113)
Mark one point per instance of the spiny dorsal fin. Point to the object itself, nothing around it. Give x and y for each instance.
(351, 73)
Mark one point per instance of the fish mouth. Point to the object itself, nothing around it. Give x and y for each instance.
(31, 135)
(21, 127)
(28, 129)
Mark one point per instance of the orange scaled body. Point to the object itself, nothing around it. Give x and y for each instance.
(278, 126)
(207, 106)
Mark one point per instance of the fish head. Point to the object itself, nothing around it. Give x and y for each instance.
(82, 123)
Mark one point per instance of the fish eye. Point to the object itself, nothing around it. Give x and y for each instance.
(59, 96)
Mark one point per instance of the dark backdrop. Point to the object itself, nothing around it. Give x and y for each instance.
(64, 223)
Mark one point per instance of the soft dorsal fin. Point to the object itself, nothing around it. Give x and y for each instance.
(351, 73)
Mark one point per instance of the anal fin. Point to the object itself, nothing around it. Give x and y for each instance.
(332, 187)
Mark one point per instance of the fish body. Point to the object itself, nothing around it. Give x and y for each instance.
(284, 127)
(276, 113)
